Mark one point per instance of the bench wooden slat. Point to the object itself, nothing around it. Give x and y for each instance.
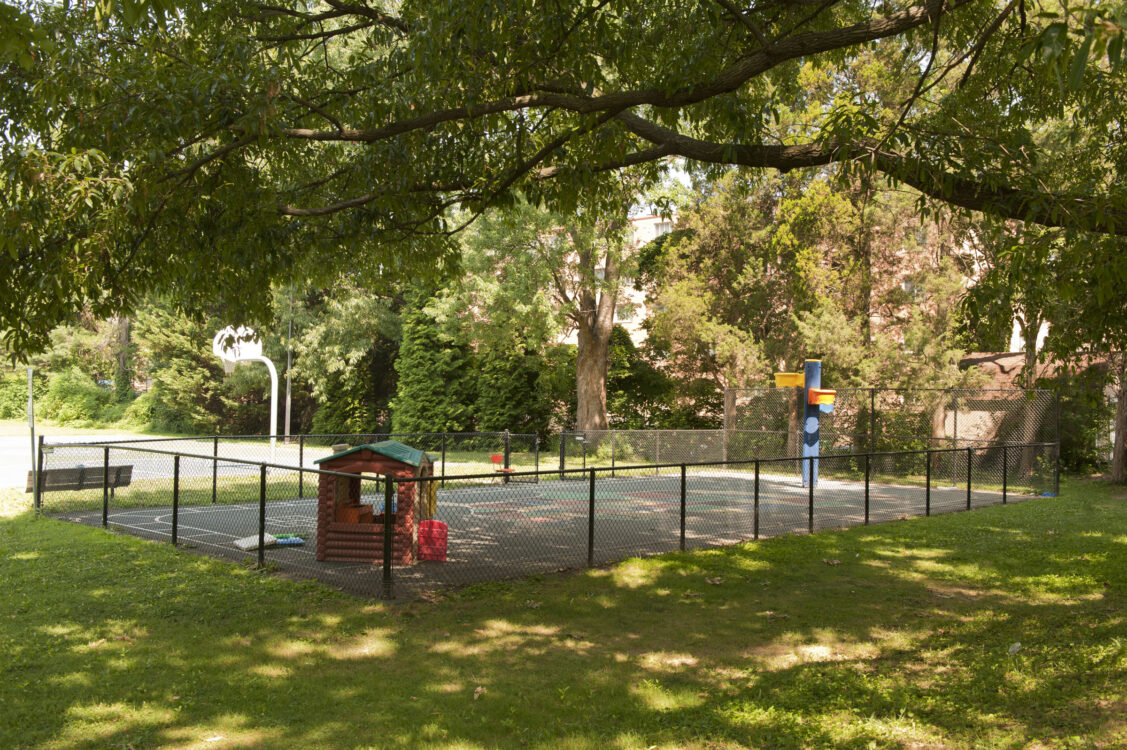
(80, 478)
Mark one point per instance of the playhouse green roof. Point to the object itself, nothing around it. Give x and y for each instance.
(390, 448)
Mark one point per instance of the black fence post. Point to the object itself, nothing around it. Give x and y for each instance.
(755, 517)
(955, 440)
(868, 471)
(176, 500)
(927, 483)
(613, 451)
(442, 483)
(810, 502)
(301, 467)
(262, 516)
(1056, 468)
(215, 469)
(682, 507)
(508, 453)
(1005, 472)
(106, 487)
(970, 458)
(872, 420)
(536, 455)
(563, 454)
(38, 496)
(591, 523)
(388, 540)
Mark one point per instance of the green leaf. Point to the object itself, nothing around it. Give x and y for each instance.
(1079, 63)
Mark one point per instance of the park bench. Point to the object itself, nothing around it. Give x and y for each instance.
(81, 478)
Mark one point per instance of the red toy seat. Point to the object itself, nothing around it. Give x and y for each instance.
(497, 460)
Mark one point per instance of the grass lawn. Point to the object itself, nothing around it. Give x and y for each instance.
(1004, 627)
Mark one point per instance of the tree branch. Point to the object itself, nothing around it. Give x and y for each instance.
(1040, 207)
(727, 81)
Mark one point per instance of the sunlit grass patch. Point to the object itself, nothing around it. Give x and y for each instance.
(971, 630)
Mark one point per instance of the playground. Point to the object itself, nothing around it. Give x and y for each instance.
(376, 516)
(507, 530)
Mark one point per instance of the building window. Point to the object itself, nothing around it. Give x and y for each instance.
(913, 288)
(662, 227)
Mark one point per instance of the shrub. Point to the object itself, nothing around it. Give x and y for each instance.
(13, 393)
(140, 411)
(73, 397)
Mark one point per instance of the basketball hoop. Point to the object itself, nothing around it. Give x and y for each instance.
(246, 346)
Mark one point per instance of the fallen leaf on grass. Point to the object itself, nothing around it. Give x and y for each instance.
(715, 581)
(478, 692)
(531, 604)
(1014, 648)
(690, 593)
(776, 615)
(95, 644)
(832, 562)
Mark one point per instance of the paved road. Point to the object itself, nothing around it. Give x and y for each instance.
(15, 453)
(15, 460)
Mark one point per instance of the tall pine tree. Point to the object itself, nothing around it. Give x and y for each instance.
(437, 387)
(511, 395)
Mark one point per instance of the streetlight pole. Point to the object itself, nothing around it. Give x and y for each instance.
(31, 424)
(289, 363)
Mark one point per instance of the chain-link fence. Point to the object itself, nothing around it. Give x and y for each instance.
(452, 452)
(440, 532)
(905, 419)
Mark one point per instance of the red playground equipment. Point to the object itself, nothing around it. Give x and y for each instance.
(350, 531)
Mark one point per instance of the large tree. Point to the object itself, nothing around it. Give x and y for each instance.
(207, 151)
(542, 273)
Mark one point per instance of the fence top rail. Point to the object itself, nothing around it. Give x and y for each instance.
(220, 459)
(826, 432)
(543, 472)
(221, 438)
(700, 464)
(906, 390)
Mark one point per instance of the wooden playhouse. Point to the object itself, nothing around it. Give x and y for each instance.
(349, 530)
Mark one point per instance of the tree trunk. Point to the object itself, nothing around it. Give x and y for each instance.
(123, 377)
(794, 424)
(591, 381)
(593, 314)
(1119, 448)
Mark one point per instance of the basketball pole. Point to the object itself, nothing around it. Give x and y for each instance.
(249, 349)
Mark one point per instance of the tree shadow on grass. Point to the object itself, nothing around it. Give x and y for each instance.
(889, 636)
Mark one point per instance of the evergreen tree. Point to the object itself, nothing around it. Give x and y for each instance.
(511, 395)
(436, 389)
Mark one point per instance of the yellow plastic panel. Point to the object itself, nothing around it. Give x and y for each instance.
(790, 379)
